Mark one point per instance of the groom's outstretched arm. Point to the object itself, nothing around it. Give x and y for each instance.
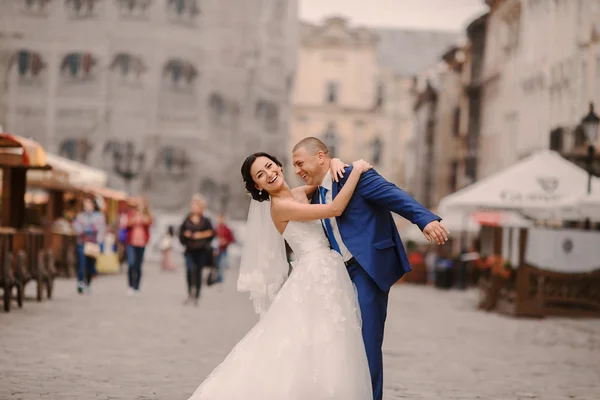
(374, 188)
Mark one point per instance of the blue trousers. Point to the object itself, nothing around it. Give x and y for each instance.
(195, 260)
(373, 307)
(135, 258)
(222, 261)
(86, 266)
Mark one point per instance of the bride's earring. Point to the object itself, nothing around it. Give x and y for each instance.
(260, 192)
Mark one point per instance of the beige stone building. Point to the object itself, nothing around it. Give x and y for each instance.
(434, 149)
(529, 69)
(167, 96)
(541, 68)
(354, 89)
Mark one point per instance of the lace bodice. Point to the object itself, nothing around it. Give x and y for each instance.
(305, 237)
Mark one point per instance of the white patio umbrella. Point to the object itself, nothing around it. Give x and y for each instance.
(542, 185)
(588, 206)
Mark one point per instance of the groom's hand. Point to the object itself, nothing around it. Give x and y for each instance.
(436, 232)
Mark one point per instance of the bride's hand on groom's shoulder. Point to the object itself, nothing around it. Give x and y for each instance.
(361, 166)
(337, 168)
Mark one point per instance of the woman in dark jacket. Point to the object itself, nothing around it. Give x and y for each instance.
(196, 234)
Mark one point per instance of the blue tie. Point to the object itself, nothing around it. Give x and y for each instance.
(328, 227)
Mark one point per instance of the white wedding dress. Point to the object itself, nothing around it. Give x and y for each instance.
(308, 345)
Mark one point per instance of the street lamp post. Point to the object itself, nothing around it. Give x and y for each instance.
(590, 127)
(127, 163)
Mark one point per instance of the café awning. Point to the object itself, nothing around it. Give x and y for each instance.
(19, 152)
(78, 174)
(106, 193)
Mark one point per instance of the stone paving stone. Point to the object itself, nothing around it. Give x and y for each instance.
(437, 345)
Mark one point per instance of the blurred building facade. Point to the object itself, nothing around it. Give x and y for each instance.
(541, 69)
(527, 72)
(167, 96)
(355, 89)
(435, 148)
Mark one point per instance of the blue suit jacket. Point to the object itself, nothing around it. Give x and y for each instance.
(368, 229)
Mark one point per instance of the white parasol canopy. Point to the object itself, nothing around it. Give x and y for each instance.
(542, 184)
(588, 206)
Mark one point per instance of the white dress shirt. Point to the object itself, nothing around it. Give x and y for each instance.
(327, 184)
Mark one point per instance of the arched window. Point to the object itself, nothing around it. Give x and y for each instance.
(128, 66)
(180, 74)
(133, 8)
(34, 7)
(29, 64)
(82, 8)
(183, 10)
(556, 139)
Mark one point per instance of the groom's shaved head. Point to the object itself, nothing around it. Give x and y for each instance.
(312, 145)
(311, 160)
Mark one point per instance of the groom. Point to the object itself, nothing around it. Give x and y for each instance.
(366, 237)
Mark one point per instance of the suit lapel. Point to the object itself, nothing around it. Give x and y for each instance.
(315, 197)
(335, 188)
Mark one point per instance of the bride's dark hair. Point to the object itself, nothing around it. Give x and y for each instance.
(247, 176)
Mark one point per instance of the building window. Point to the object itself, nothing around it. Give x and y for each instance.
(183, 10)
(133, 8)
(456, 122)
(556, 139)
(330, 138)
(78, 66)
(379, 96)
(128, 67)
(453, 179)
(81, 8)
(331, 89)
(75, 149)
(29, 64)
(180, 74)
(267, 113)
(38, 8)
(471, 168)
(217, 108)
(377, 149)
(580, 139)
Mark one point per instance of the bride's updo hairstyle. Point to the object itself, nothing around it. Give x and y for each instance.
(247, 176)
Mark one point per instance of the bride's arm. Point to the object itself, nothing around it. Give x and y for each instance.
(304, 191)
(289, 210)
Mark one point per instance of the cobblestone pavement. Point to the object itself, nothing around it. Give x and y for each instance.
(110, 346)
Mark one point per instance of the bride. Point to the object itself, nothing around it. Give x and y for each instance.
(308, 343)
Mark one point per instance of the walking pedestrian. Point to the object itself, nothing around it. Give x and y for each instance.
(90, 226)
(166, 247)
(225, 238)
(138, 225)
(195, 234)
